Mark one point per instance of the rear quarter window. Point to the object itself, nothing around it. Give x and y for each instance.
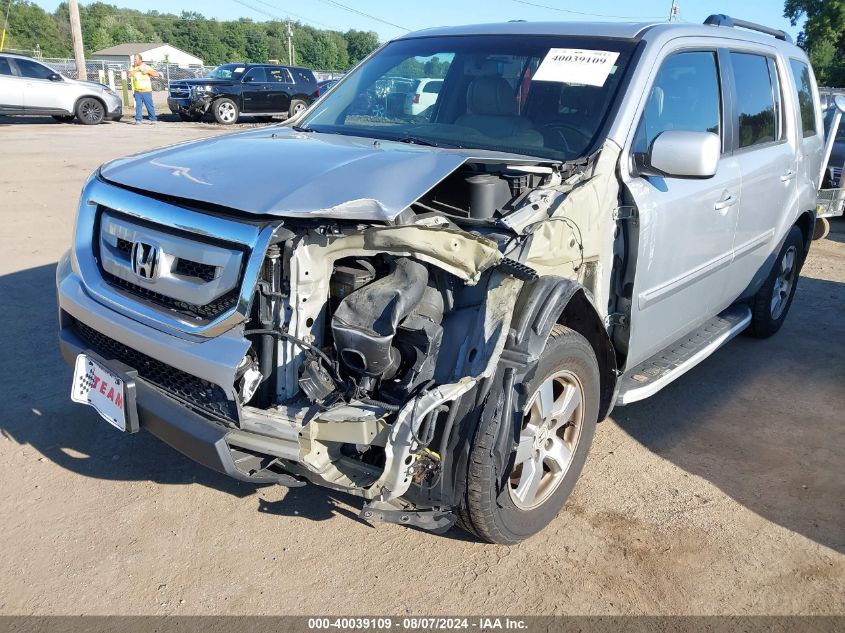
(804, 95)
(304, 76)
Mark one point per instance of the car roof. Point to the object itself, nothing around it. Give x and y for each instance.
(657, 31)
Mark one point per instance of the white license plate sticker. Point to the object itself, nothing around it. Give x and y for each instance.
(95, 385)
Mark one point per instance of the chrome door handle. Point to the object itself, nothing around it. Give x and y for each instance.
(787, 176)
(728, 201)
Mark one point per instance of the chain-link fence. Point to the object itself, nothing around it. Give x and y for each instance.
(100, 71)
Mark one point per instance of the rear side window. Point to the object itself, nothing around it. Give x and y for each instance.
(757, 99)
(804, 92)
(433, 87)
(685, 96)
(305, 76)
(32, 70)
(5, 68)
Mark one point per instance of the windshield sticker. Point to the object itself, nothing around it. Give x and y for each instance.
(576, 66)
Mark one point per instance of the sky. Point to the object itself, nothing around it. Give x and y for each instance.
(390, 18)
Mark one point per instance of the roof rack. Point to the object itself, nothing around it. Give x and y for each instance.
(719, 19)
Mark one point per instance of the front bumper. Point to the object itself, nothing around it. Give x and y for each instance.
(187, 105)
(211, 443)
(114, 107)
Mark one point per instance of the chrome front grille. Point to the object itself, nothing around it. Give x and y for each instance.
(180, 92)
(195, 278)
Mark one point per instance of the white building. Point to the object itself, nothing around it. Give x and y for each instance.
(154, 53)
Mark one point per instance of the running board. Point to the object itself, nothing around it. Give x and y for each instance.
(650, 376)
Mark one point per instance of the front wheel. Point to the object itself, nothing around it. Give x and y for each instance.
(225, 111)
(770, 305)
(558, 422)
(90, 111)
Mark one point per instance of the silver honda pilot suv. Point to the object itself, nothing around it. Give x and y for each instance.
(432, 309)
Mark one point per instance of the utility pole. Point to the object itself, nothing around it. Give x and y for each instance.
(5, 26)
(76, 33)
(290, 44)
(674, 10)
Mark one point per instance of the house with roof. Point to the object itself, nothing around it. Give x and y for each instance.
(151, 53)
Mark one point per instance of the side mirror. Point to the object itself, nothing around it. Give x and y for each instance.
(685, 154)
(55, 77)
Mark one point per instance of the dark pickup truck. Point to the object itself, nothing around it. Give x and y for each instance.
(234, 89)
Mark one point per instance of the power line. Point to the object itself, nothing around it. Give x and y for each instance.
(366, 15)
(592, 15)
(278, 16)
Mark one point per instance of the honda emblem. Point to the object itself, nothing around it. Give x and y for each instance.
(145, 260)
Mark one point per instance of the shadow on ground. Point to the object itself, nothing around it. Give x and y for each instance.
(761, 419)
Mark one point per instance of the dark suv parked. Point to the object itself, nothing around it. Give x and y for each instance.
(234, 89)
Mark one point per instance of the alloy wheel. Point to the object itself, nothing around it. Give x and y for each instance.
(91, 110)
(784, 281)
(227, 112)
(551, 429)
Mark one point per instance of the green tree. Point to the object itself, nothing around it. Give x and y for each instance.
(359, 44)
(823, 36)
(30, 27)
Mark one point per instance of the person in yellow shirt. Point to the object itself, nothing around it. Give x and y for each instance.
(142, 86)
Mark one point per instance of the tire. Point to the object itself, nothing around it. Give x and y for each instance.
(90, 111)
(191, 118)
(297, 106)
(225, 111)
(64, 118)
(770, 305)
(500, 509)
(821, 229)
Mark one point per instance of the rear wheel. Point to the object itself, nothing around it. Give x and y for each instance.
(90, 111)
(770, 305)
(297, 106)
(225, 111)
(557, 428)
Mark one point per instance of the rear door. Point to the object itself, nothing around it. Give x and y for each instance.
(281, 88)
(11, 87)
(767, 153)
(685, 226)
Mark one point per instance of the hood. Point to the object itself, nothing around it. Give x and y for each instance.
(204, 81)
(90, 84)
(281, 172)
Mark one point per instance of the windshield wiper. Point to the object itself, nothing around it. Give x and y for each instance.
(414, 140)
(299, 128)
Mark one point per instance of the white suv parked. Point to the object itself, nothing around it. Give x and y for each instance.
(30, 88)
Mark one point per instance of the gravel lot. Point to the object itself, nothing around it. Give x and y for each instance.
(723, 494)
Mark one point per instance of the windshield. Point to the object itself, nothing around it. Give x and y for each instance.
(544, 96)
(227, 71)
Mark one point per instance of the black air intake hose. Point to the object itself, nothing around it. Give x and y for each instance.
(365, 322)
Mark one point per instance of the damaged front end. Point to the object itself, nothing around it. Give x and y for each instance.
(374, 347)
(356, 353)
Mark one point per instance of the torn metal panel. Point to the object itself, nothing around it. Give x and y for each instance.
(581, 218)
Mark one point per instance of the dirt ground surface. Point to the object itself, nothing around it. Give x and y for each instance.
(723, 494)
